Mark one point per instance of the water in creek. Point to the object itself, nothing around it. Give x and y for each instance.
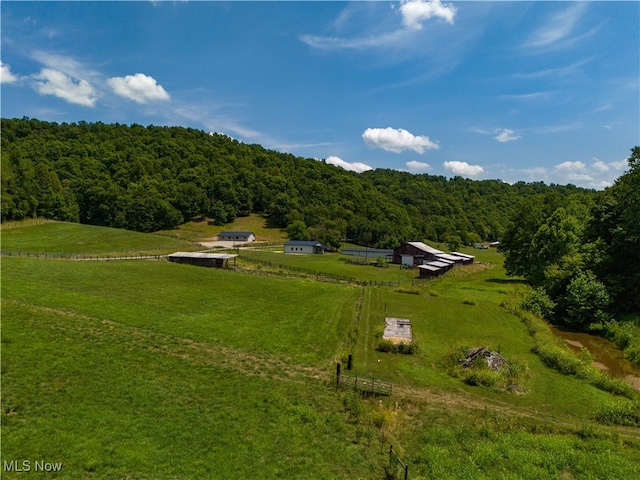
(606, 355)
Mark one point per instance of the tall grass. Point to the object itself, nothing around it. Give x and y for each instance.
(556, 355)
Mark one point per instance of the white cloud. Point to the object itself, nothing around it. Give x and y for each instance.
(140, 88)
(353, 167)
(598, 174)
(569, 167)
(5, 74)
(463, 168)
(397, 140)
(599, 166)
(59, 84)
(558, 28)
(416, 11)
(417, 167)
(506, 135)
(372, 41)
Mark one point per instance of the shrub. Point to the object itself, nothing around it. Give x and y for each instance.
(403, 348)
(619, 413)
(479, 374)
(539, 303)
(410, 291)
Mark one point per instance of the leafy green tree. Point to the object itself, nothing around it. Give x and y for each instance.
(559, 235)
(515, 244)
(298, 231)
(615, 224)
(586, 300)
(453, 242)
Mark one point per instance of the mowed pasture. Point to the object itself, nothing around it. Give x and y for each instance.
(159, 370)
(72, 238)
(147, 369)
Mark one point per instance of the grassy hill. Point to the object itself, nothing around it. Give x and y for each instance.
(156, 370)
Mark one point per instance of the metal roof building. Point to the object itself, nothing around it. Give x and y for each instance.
(397, 330)
(201, 259)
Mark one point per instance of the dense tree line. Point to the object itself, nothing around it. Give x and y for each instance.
(151, 178)
(580, 252)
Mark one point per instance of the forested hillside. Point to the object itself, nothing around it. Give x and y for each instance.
(582, 256)
(151, 178)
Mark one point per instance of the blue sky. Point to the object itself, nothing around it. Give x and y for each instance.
(533, 91)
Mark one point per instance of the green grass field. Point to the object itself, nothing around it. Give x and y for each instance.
(147, 369)
(73, 238)
(202, 229)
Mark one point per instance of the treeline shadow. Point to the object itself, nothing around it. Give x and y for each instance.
(508, 281)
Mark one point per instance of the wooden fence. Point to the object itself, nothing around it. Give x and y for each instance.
(363, 383)
(395, 464)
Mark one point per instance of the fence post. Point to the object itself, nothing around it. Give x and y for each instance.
(349, 362)
(337, 375)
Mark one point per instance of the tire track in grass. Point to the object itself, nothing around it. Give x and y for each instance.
(75, 326)
(79, 326)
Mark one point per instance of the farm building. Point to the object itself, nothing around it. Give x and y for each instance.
(397, 330)
(368, 252)
(430, 271)
(418, 253)
(240, 237)
(304, 246)
(415, 253)
(466, 259)
(218, 260)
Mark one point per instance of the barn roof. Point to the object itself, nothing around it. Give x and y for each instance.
(234, 233)
(439, 264)
(430, 268)
(463, 255)
(304, 243)
(451, 258)
(425, 248)
(223, 256)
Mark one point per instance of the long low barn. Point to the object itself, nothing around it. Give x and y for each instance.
(201, 259)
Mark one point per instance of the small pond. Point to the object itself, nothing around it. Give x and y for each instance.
(606, 355)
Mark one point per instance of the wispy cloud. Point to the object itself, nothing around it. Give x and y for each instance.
(503, 134)
(554, 72)
(397, 139)
(560, 30)
(528, 97)
(463, 168)
(414, 14)
(506, 135)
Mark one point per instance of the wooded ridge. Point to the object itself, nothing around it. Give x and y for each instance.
(151, 178)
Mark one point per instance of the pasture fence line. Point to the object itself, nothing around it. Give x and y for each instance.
(275, 273)
(395, 462)
(292, 268)
(82, 256)
(366, 384)
(315, 273)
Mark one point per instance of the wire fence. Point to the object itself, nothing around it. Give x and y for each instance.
(396, 464)
(363, 383)
(307, 271)
(84, 256)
